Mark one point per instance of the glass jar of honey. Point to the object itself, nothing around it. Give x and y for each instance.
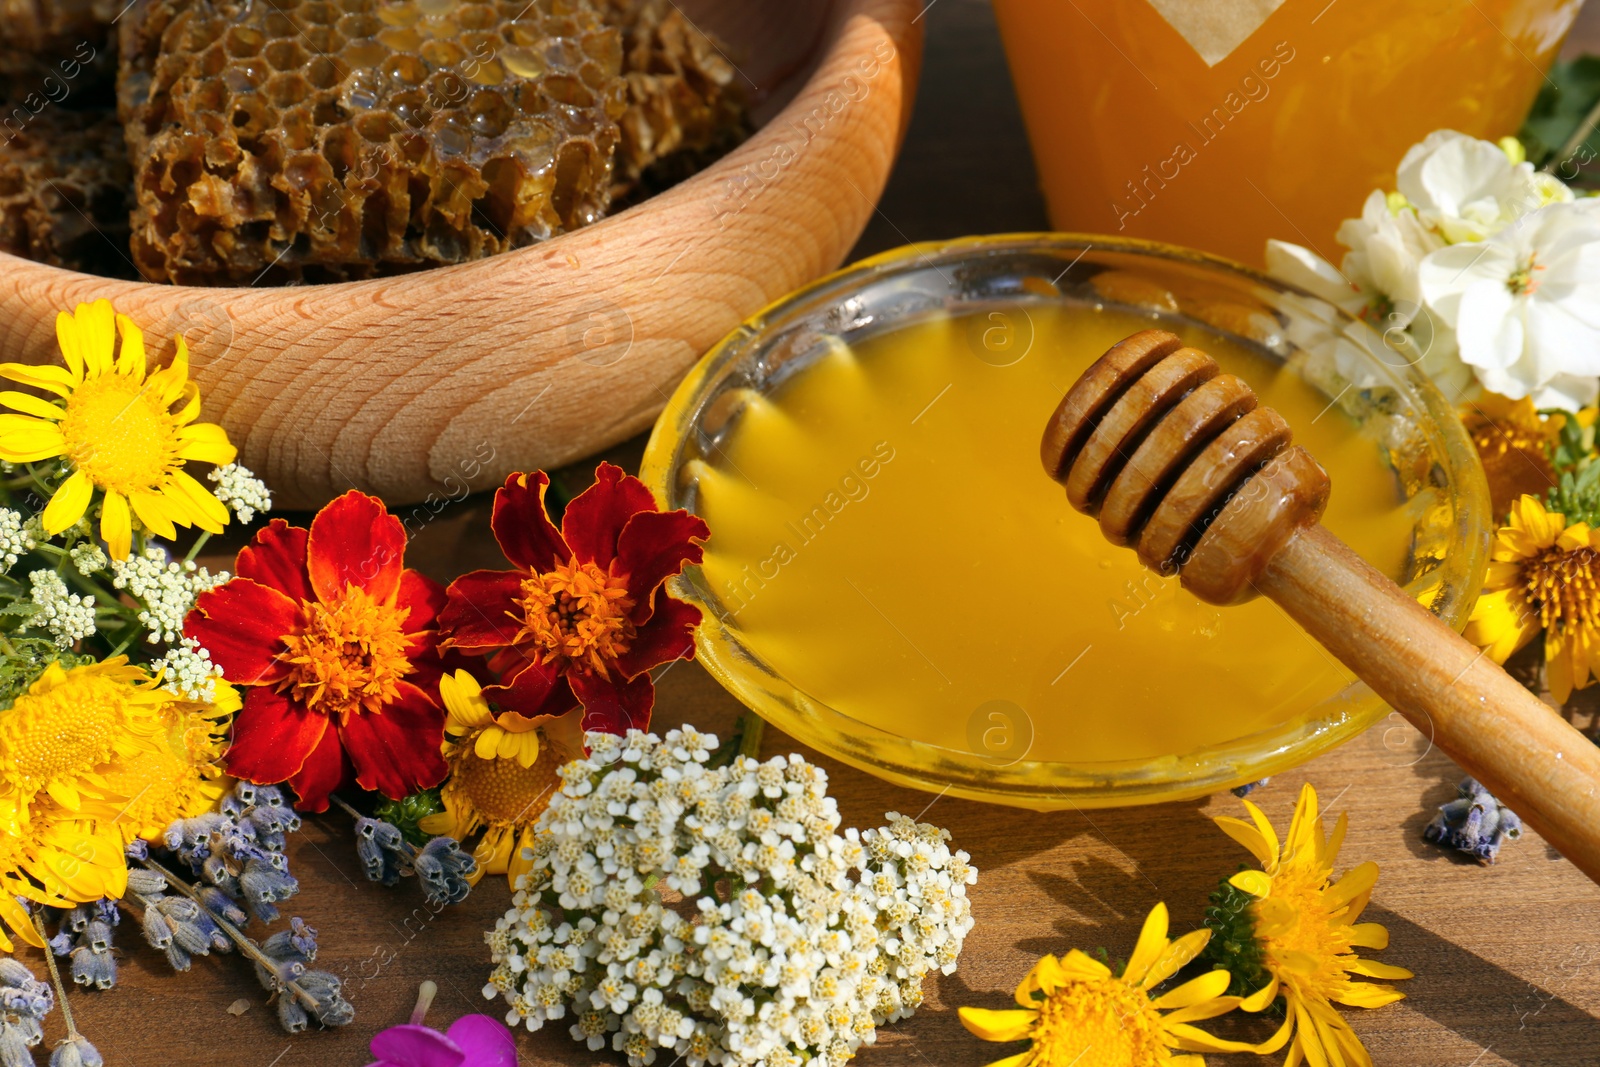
(1219, 124)
(893, 578)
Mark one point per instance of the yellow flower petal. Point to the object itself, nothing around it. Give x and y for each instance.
(1369, 935)
(464, 703)
(151, 512)
(1256, 883)
(71, 344)
(97, 336)
(1261, 997)
(487, 743)
(205, 511)
(1208, 986)
(1152, 941)
(1012, 1025)
(1359, 879)
(116, 527)
(54, 379)
(1176, 956)
(1374, 969)
(206, 442)
(130, 361)
(1249, 837)
(68, 504)
(29, 404)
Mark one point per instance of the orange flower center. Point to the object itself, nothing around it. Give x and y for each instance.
(349, 656)
(577, 612)
(1565, 584)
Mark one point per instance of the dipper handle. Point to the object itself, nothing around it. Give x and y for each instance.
(1179, 462)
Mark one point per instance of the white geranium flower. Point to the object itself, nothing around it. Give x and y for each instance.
(1387, 244)
(1465, 189)
(1525, 304)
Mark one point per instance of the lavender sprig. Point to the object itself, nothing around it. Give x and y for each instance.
(280, 962)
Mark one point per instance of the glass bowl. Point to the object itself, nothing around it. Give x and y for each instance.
(1373, 381)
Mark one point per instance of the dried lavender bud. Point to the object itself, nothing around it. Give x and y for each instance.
(143, 882)
(77, 918)
(76, 1052)
(93, 970)
(14, 1047)
(299, 942)
(1475, 823)
(106, 911)
(97, 936)
(156, 930)
(62, 943)
(33, 1003)
(444, 868)
(291, 1016)
(15, 975)
(137, 850)
(384, 852)
(219, 903)
(330, 1008)
(1248, 788)
(177, 957)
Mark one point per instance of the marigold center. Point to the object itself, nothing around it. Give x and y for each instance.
(348, 656)
(578, 612)
(119, 434)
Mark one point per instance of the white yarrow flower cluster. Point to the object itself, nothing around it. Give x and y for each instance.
(186, 669)
(1479, 268)
(241, 490)
(792, 944)
(67, 615)
(88, 558)
(16, 538)
(166, 588)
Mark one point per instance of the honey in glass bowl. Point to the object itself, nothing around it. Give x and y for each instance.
(893, 578)
(1219, 124)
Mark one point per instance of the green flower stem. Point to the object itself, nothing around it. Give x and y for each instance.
(199, 543)
(250, 949)
(751, 729)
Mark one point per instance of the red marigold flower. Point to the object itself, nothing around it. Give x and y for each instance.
(579, 620)
(338, 644)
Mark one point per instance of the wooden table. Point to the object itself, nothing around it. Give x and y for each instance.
(1507, 958)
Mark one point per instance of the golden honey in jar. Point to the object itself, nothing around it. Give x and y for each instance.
(1219, 124)
(885, 539)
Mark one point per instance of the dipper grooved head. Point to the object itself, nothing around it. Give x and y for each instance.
(1178, 460)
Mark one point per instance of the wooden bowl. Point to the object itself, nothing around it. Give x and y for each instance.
(426, 386)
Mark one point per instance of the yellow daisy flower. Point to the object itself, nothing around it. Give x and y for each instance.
(1306, 935)
(1075, 1010)
(91, 758)
(503, 772)
(1513, 441)
(117, 431)
(1543, 575)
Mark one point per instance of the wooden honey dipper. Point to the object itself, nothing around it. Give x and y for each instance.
(1178, 461)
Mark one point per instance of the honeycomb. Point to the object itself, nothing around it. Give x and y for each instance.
(63, 38)
(279, 141)
(64, 184)
(686, 106)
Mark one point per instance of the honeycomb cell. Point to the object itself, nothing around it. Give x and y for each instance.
(243, 42)
(65, 190)
(368, 158)
(285, 55)
(685, 105)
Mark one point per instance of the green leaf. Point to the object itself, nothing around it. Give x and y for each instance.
(26, 659)
(1571, 91)
(407, 814)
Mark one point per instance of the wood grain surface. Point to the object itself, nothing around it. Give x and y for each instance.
(1507, 958)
